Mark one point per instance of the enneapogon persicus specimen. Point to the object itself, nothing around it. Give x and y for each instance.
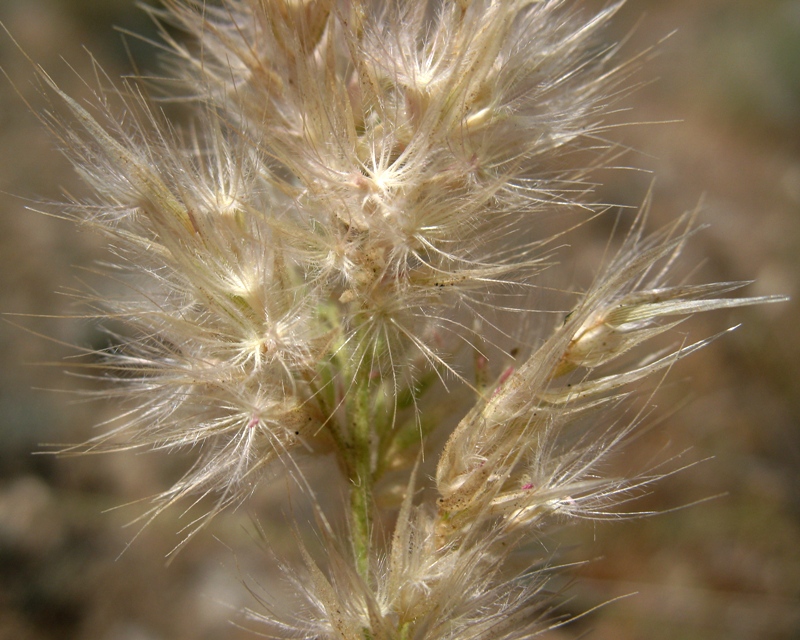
(348, 229)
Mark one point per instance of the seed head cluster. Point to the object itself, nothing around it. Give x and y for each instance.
(319, 256)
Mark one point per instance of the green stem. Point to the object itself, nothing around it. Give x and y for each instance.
(405, 630)
(361, 469)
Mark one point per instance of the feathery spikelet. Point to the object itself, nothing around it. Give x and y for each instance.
(419, 590)
(515, 456)
(416, 141)
(360, 185)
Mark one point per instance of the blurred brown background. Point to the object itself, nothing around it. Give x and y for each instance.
(726, 569)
